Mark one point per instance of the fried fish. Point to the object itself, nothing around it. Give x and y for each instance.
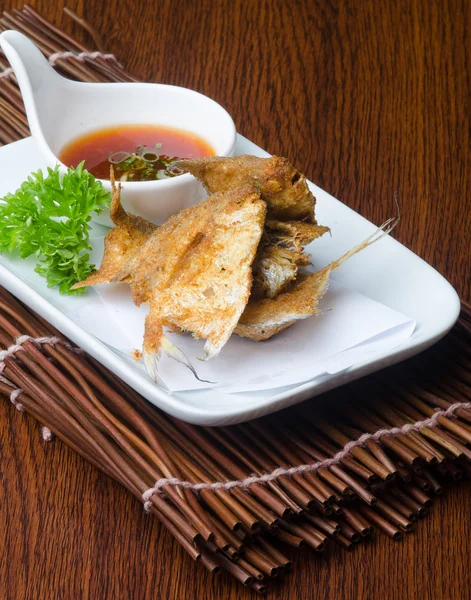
(121, 242)
(293, 235)
(195, 270)
(281, 254)
(207, 289)
(283, 188)
(274, 268)
(235, 263)
(265, 317)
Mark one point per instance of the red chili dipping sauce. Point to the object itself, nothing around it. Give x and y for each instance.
(136, 152)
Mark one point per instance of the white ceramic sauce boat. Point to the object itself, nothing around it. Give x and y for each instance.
(60, 110)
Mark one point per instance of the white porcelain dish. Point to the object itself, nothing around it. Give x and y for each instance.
(391, 275)
(59, 110)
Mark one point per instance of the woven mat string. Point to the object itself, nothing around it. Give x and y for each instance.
(11, 352)
(305, 468)
(80, 56)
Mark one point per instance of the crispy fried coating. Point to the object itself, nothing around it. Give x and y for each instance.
(196, 270)
(190, 233)
(121, 242)
(231, 264)
(283, 188)
(278, 259)
(274, 268)
(293, 235)
(291, 223)
(263, 318)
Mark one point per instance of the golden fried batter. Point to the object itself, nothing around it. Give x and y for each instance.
(274, 268)
(288, 197)
(280, 255)
(265, 317)
(182, 237)
(283, 188)
(196, 271)
(262, 319)
(121, 242)
(293, 235)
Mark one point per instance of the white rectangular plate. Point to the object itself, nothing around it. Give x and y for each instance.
(391, 274)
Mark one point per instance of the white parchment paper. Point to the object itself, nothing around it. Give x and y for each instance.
(350, 327)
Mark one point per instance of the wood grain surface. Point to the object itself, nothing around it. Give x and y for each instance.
(367, 98)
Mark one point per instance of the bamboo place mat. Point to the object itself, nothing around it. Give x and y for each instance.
(234, 497)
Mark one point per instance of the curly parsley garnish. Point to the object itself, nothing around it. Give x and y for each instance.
(49, 216)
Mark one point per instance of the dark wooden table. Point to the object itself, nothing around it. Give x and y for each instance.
(367, 98)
